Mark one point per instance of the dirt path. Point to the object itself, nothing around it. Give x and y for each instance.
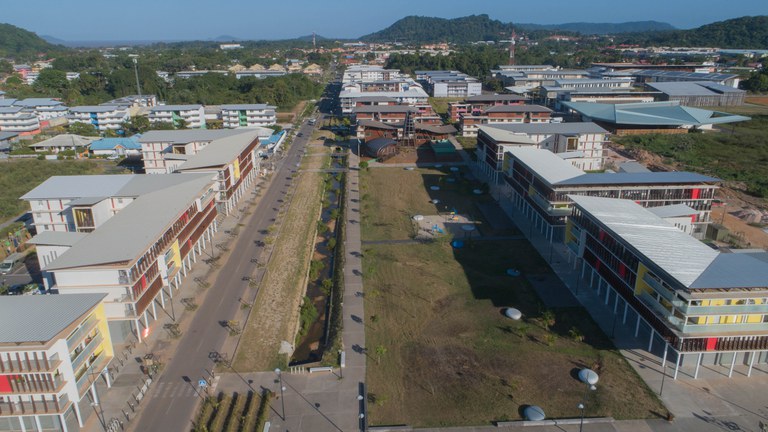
(275, 314)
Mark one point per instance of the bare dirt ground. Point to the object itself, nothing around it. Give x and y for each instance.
(420, 156)
(275, 314)
(735, 199)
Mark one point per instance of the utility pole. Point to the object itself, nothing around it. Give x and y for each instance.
(136, 72)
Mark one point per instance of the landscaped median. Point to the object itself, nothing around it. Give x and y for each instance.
(442, 352)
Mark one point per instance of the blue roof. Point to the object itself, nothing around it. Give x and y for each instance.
(652, 114)
(273, 139)
(131, 143)
(667, 177)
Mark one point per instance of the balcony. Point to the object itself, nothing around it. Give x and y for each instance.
(722, 310)
(82, 332)
(48, 406)
(90, 347)
(717, 329)
(665, 292)
(660, 311)
(34, 384)
(90, 374)
(30, 365)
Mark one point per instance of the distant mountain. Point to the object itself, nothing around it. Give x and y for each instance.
(54, 40)
(745, 32)
(226, 38)
(18, 43)
(429, 29)
(308, 38)
(602, 28)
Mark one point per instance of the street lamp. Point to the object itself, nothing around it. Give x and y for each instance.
(589, 378)
(282, 399)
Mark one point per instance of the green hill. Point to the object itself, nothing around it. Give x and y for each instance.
(18, 43)
(745, 32)
(587, 28)
(429, 29)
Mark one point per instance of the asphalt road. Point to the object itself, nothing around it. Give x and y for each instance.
(172, 408)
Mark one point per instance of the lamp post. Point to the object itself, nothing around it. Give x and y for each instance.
(589, 378)
(282, 399)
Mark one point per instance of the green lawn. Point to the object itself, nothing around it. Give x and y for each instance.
(738, 153)
(18, 177)
(440, 104)
(440, 351)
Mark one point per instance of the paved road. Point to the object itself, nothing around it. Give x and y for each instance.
(171, 404)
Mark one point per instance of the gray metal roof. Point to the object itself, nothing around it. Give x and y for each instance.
(96, 108)
(25, 319)
(36, 102)
(384, 109)
(678, 254)
(626, 178)
(632, 167)
(674, 210)
(64, 140)
(59, 187)
(505, 136)
(686, 259)
(652, 114)
(127, 234)
(87, 201)
(547, 165)
(160, 108)
(689, 76)
(550, 128)
(185, 136)
(693, 88)
(518, 109)
(57, 238)
(7, 135)
(246, 107)
(375, 124)
(221, 151)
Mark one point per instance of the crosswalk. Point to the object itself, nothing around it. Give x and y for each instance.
(174, 390)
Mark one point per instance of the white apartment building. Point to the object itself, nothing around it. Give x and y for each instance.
(450, 83)
(135, 238)
(102, 117)
(193, 116)
(16, 119)
(248, 115)
(43, 108)
(53, 349)
(368, 73)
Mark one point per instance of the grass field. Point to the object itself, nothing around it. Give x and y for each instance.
(757, 106)
(385, 221)
(738, 153)
(440, 104)
(19, 176)
(440, 350)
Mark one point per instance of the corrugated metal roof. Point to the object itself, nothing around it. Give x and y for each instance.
(160, 108)
(652, 114)
(57, 238)
(25, 319)
(254, 107)
(674, 210)
(220, 151)
(64, 140)
(547, 165)
(730, 270)
(678, 254)
(96, 108)
(518, 108)
(127, 234)
(59, 187)
(668, 177)
(550, 128)
(185, 136)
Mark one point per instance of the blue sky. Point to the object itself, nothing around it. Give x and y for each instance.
(276, 19)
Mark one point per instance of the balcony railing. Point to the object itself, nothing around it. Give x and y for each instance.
(47, 406)
(83, 331)
(78, 359)
(724, 328)
(721, 310)
(31, 364)
(35, 384)
(658, 287)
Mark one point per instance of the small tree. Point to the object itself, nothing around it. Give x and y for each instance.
(380, 351)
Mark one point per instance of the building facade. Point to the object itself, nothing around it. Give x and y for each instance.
(102, 117)
(705, 306)
(191, 116)
(248, 115)
(48, 372)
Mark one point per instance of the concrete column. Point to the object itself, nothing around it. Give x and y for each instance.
(107, 378)
(162, 297)
(146, 320)
(63, 420)
(77, 414)
(698, 364)
(94, 395)
(154, 308)
(626, 307)
(751, 363)
(733, 363)
(138, 329)
(637, 326)
(650, 341)
(616, 303)
(37, 423)
(664, 359)
(607, 292)
(591, 278)
(679, 360)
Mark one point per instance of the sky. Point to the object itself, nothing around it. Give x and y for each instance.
(84, 20)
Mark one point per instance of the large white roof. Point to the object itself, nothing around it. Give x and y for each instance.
(27, 319)
(549, 166)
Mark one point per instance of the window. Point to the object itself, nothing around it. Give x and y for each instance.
(572, 143)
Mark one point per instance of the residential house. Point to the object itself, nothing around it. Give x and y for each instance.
(115, 147)
(63, 142)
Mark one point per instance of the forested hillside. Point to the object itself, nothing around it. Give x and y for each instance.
(21, 44)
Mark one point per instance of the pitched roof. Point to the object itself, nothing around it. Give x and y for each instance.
(220, 151)
(548, 128)
(160, 108)
(96, 108)
(437, 129)
(652, 114)
(518, 109)
(130, 143)
(689, 261)
(494, 98)
(376, 124)
(64, 140)
(185, 136)
(384, 109)
(161, 199)
(57, 238)
(22, 317)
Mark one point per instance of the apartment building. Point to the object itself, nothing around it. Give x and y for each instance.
(503, 114)
(16, 119)
(365, 73)
(132, 238)
(699, 93)
(476, 105)
(705, 306)
(541, 185)
(580, 143)
(449, 83)
(102, 117)
(364, 82)
(53, 349)
(248, 115)
(43, 108)
(191, 116)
